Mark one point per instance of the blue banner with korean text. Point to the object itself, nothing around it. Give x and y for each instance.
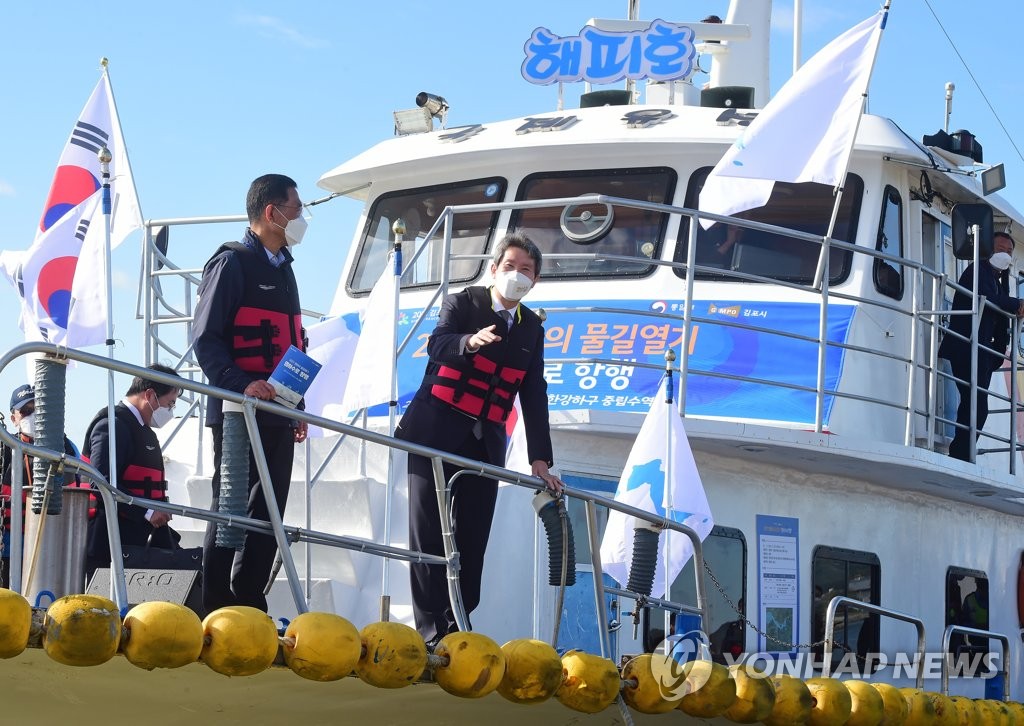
(746, 358)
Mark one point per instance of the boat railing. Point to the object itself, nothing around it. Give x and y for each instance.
(285, 535)
(853, 604)
(948, 662)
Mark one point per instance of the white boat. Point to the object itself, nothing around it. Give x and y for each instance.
(818, 414)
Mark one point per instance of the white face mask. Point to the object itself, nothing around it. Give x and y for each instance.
(27, 425)
(1000, 260)
(512, 285)
(160, 416)
(295, 230)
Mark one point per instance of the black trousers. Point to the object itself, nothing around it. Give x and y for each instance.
(472, 511)
(239, 577)
(960, 447)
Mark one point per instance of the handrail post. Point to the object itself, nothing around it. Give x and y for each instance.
(595, 560)
(819, 397)
(947, 656)
(451, 555)
(915, 305)
(852, 604)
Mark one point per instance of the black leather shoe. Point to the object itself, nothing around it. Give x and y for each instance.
(432, 643)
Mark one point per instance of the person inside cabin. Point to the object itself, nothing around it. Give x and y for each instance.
(23, 408)
(993, 333)
(486, 348)
(146, 406)
(246, 317)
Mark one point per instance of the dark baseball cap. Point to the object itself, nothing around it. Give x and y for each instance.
(22, 394)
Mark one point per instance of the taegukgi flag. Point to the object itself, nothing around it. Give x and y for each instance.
(806, 132)
(660, 476)
(59, 298)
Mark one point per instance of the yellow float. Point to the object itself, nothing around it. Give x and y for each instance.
(920, 708)
(945, 712)
(239, 641)
(712, 691)
(968, 713)
(793, 702)
(393, 655)
(648, 687)
(895, 708)
(475, 664)
(81, 630)
(755, 695)
(15, 623)
(533, 671)
(321, 646)
(590, 683)
(833, 703)
(868, 708)
(161, 635)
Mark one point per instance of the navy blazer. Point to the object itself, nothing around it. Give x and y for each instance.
(993, 328)
(431, 422)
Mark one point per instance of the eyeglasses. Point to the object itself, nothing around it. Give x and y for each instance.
(293, 207)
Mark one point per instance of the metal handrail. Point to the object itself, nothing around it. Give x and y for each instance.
(964, 630)
(852, 604)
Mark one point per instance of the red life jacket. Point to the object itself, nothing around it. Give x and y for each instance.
(5, 484)
(485, 385)
(144, 474)
(269, 317)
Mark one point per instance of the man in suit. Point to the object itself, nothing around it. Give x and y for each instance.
(486, 348)
(993, 333)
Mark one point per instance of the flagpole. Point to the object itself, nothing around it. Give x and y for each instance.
(121, 173)
(385, 600)
(105, 158)
(820, 281)
(670, 357)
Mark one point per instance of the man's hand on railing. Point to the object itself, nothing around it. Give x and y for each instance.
(260, 389)
(301, 431)
(540, 470)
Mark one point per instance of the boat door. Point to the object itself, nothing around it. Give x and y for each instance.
(579, 611)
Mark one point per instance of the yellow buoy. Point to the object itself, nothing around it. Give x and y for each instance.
(920, 708)
(394, 655)
(161, 635)
(755, 695)
(792, 702)
(648, 686)
(321, 646)
(711, 690)
(832, 702)
(239, 641)
(475, 666)
(968, 713)
(81, 630)
(999, 713)
(868, 708)
(1017, 709)
(589, 684)
(895, 708)
(945, 712)
(533, 671)
(15, 623)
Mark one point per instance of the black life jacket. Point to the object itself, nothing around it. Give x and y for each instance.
(269, 318)
(485, 385)
(144, 474)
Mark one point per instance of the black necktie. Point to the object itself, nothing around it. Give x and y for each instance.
(507, 317)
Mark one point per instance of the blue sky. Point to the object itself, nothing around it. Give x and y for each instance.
(213, 94)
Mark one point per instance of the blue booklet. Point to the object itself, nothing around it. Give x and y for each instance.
(292, 377)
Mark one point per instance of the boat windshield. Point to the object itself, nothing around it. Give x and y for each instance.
(419, 209)
(630, 232)
(806, 208)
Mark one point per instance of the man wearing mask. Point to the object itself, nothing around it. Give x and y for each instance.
(486, 348)
(246, 316)
(993, 332)
(146, 406)
(23, 409)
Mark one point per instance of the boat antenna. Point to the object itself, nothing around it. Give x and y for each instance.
(949, 104)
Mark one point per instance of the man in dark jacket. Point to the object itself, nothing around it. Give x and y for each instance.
(146, 406)
(486, 348)
(247, 316)
(993, 333)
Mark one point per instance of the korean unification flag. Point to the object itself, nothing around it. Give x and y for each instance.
(62, 301)
(805, 133)
(660, 476)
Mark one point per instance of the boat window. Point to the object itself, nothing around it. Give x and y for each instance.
(725, 553)
(802, 207)
(839, 572)
(632, 233)
(419, 209)
(888, 276)
(967, 605)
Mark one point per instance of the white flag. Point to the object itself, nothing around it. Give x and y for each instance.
(806, 132)
(333, 343)
(48, 279)
(643, 486)
(517, 455)
(369, 380)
